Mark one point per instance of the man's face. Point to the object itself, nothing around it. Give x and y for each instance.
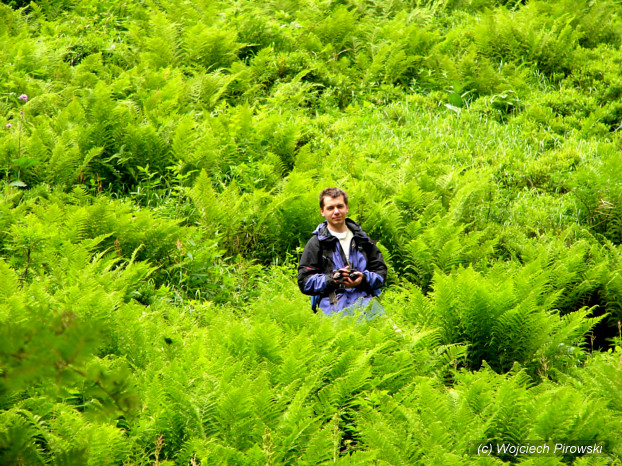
(335, 211)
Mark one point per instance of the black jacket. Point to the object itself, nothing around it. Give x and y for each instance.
(323, 255)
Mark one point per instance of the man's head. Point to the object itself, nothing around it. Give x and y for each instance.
(334, 208)
(332, 193)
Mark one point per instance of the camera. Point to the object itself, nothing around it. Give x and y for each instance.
(344, 273)
(340, 275)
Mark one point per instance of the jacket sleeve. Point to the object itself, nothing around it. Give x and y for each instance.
(311, 277)
(376, 272)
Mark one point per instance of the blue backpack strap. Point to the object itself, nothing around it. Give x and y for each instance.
(315, 301)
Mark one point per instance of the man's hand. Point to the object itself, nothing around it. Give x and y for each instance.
(353, 280)
(341, 275)
(348, 279)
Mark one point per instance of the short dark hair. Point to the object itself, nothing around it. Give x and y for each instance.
(332, 193)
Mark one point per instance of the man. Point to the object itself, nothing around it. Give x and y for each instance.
(340, 266)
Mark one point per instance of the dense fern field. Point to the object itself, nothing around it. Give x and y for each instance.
(160, 163)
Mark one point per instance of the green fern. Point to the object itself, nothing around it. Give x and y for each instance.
(20, 439)
(210, 48)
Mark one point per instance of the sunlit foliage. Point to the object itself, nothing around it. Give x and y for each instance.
(159, 167)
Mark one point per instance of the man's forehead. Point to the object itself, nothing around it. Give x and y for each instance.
(333, 200)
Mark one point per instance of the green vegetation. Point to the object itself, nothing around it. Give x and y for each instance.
(159, 167)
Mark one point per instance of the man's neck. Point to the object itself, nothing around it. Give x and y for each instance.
(343, 228)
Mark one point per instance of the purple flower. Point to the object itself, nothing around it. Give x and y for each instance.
(9, 125)
(23, 98)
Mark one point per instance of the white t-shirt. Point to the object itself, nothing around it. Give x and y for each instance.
(345, 239)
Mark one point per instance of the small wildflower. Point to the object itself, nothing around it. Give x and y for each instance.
(23, 98)
(9, 125)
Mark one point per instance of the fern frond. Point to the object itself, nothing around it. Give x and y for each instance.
(20, 441)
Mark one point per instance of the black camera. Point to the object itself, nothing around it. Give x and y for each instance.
(340, 275)
(344, 273)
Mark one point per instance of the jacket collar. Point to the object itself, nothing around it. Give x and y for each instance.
(324, 235)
